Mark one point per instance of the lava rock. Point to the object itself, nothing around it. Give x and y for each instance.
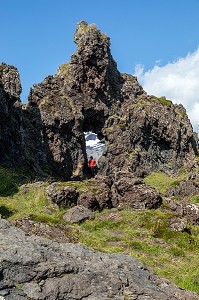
(37, 268)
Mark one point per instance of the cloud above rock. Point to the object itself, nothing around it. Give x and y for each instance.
(177, 81)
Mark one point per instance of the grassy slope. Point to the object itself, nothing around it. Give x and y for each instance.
(142, 234)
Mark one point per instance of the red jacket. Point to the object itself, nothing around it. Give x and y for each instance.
(92, 162)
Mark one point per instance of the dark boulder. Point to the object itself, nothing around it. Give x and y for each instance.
(135, 193)
(88, 200)
(62, 196)
(100, 193)
(184, 189)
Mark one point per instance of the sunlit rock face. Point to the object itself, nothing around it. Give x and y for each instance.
(140, 133)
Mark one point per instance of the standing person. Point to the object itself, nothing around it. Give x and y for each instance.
(92, 165)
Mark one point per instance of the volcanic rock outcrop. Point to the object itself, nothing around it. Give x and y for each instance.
(100, 193)
(11, 143)
(141, 133)
(37, 268)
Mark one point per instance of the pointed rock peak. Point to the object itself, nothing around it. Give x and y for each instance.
(85, 32)
(10, 79)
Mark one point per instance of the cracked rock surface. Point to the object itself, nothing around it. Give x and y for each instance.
(39, 269)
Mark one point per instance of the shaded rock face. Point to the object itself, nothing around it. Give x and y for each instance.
(141, 132)
(11, 141)
(37, 268)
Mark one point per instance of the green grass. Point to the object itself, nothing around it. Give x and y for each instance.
(29, 201)
(195, 199)
(9, 183)
(162, 181)
(147, 236)
(163, 100)
(31, 204)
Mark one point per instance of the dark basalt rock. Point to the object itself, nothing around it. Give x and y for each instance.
(37, 268)
(62, 196)
(98, 194)
(141, 133)
(11, 140)
(135, 193)
(185, 189)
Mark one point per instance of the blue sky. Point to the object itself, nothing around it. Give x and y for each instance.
(155, 39)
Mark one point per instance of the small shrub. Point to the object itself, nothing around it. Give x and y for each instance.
(195, 199)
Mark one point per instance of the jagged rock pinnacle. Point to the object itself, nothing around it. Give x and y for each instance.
(141, 133)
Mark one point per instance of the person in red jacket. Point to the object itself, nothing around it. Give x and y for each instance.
(92, 165)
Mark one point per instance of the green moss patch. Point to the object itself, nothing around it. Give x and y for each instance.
(162, 181)
(163, 100)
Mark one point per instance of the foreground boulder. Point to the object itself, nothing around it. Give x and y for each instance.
(39, 269)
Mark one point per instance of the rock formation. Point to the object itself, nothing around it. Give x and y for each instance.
(100, 193)
(11, 142)
(37, 268)
(141, 132)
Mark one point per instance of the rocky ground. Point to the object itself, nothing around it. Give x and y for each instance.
(37, 268)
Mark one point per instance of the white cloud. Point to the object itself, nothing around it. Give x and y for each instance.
(177, 81)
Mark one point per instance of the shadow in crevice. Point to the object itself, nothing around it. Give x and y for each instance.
(5, 212)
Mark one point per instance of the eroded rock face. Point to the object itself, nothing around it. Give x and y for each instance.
(141, 133)
(11, 141)
(37, 268)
